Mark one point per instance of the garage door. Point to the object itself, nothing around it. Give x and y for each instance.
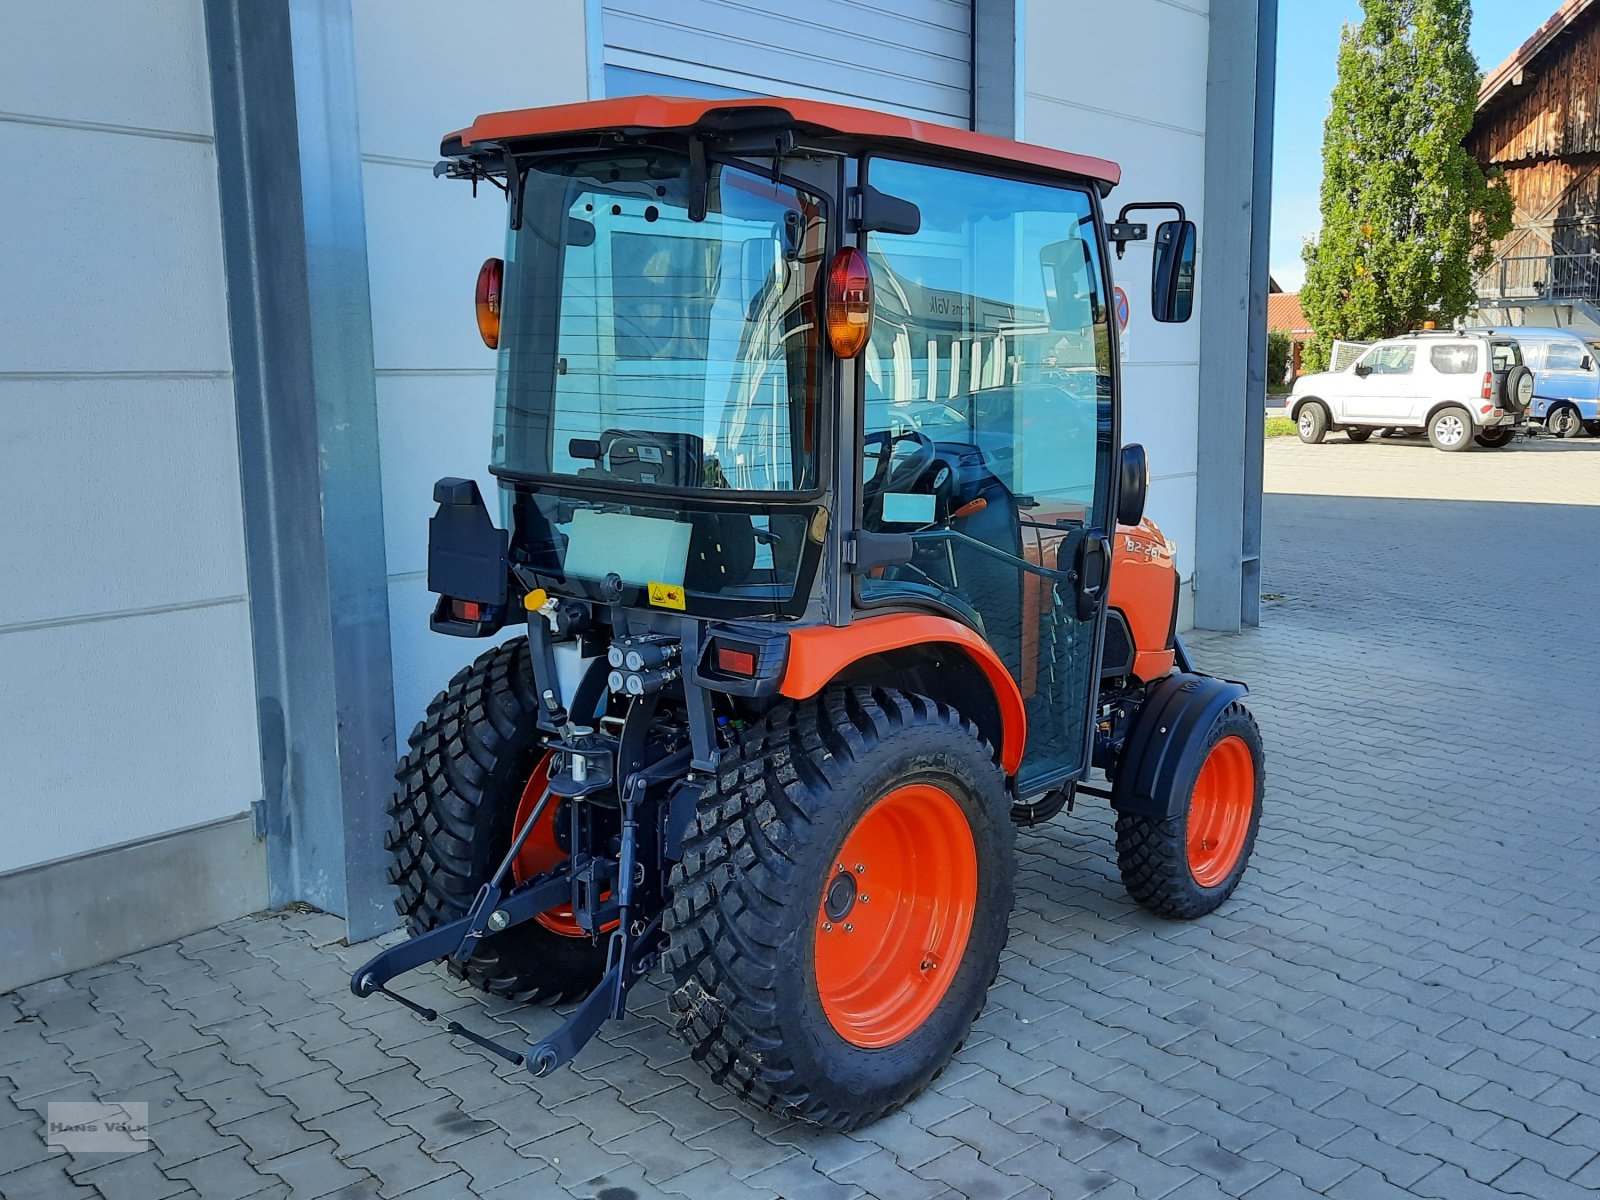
(907, 56)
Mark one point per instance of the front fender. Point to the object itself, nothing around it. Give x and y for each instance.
(1164, 749)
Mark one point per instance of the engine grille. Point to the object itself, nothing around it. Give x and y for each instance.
(1117, 658)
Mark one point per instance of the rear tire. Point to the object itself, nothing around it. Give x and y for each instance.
(460, 785)
(786, 958)
(1563, 421)
(1312, 423)
(1165, 863)
(1358, 435)
(1450, 429)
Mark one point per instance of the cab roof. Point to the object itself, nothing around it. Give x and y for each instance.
(642, 114)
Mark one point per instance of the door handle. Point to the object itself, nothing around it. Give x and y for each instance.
(1092, 572)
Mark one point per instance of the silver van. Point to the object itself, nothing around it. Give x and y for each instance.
(1566, 377)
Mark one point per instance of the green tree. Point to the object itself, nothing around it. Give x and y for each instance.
(1408, 217)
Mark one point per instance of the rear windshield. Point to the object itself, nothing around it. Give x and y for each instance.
(1506, 355)
(653, 337)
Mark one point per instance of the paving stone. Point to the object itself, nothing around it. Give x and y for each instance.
(44, 1180)
(401, 1166)
(271, 1134)
(1317, 1170)
(133, 1178)
(312, 1171)
(1481, 1163)
(797, 1178)
(186, 1138)
(316, 1094)
(712, 1182)
(225, 1173)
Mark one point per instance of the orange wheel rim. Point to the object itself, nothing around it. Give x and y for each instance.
(896, 911)
(541, 852)
(1220, 810)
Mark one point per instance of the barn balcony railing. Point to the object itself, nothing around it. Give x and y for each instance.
(1561, 278)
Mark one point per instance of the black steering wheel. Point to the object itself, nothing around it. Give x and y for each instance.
(888, 478)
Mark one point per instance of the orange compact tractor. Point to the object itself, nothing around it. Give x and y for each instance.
(831, 569)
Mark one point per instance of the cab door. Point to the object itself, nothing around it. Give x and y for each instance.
(1567, 372)
(1383, 385)
(987, 419)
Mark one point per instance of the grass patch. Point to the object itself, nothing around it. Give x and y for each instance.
(1279, 427)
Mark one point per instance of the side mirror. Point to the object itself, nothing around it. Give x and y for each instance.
(1172, 280)
(1588, 363)
(1133, 484)
(1362, 370)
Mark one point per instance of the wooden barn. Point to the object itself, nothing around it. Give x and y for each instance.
(1539, 121)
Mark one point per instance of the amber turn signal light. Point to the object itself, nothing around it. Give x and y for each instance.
(849, 307)
(490, 276)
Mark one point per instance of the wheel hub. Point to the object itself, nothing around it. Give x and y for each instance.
(884, 961)
(840, 897)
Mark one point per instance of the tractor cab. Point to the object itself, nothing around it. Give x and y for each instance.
(831, 564)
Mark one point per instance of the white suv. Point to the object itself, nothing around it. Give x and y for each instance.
(1463, 388)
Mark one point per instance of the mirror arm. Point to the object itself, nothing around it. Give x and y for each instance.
(1141, 231)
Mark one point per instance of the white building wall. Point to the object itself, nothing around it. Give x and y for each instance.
(127, 703)
(426, 239)
(1142, 105)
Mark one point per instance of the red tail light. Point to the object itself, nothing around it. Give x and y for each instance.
(466, 610)
(736, 662)
(490, 277)
(1488, 385)
(849, 303)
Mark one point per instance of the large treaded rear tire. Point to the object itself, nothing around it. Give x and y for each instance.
(469, 760)
(746, 897)
(1152, 853)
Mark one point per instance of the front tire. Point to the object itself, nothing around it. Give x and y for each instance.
(1312, 423)
(1450, 429)
(843, 898)
(1186, 865)
(471, 760)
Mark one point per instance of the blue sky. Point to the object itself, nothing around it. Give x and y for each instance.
(1308, 46)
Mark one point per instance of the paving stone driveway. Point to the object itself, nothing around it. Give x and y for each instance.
(1400, 1000)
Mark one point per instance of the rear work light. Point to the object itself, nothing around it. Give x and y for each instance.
(849, 304)
(736, 662)
(490, 276)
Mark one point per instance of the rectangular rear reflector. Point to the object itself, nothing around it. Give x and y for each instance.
(736, 662)
(467, 610)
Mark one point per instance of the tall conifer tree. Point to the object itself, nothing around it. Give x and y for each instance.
(1408, 217)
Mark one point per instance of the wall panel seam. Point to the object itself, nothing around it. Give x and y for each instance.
(94, 618)
(168, 135)
(1121, 116)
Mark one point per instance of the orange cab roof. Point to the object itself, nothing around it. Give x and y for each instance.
(641, 113)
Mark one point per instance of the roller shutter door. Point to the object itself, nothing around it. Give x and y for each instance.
(906, 56)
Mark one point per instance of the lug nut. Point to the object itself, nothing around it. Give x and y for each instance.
(499, 919)
(864, 898)
(827, 928)
(849, 928)
(860, 869)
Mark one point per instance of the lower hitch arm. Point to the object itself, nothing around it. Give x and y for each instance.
(609, 999)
